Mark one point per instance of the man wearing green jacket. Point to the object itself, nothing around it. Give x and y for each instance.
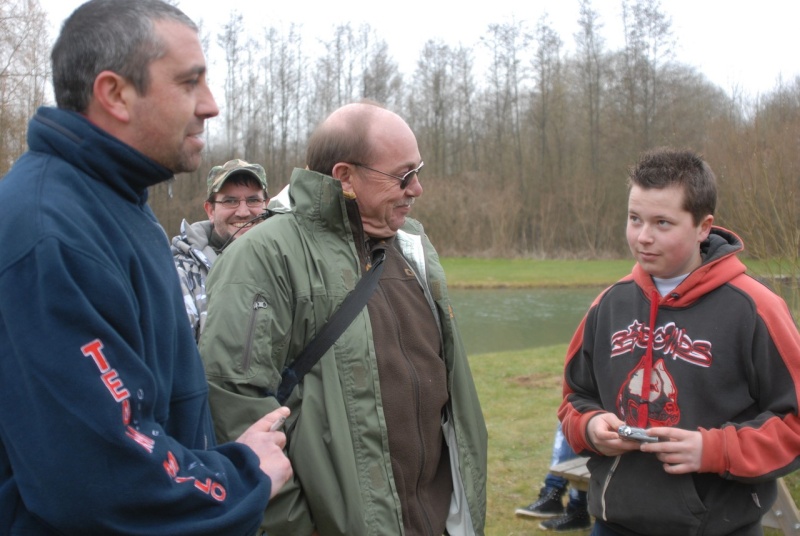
(386, 434)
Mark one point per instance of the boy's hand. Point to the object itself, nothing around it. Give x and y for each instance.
(680, 450)
(602, 433)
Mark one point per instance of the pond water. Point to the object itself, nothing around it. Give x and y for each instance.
(498, 320)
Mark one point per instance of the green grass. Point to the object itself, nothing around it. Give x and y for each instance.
(520, 392)
(465, 272)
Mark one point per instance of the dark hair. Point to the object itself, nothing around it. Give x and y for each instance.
(342, 137)
(108, 35)
(665, 167)
(241, 178)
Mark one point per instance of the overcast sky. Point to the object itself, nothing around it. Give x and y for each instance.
(744, 44)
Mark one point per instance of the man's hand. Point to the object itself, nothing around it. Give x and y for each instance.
(268, 446)
(680, 450)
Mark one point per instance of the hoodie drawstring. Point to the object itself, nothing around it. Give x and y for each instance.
(643, 415)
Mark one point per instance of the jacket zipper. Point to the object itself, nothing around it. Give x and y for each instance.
(426, 291)
(259, 302)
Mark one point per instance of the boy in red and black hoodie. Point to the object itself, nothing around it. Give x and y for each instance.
(692, 349)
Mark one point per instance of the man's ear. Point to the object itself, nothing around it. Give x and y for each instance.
(209, 208)
(343, 172)
(112, 95)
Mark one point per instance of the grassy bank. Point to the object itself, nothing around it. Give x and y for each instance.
(520, 392)
(509, 273)
(465, 272)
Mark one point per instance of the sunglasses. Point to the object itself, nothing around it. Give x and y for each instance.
(404, 179)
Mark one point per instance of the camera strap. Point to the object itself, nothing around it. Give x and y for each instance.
(333, 328)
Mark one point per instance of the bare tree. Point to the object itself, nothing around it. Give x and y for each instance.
(24, 72)
(590, 198)
(546, 66)
(465, 133)
(590, 71)
(380, 77)
(649, 44)
(233, 106)
(284, 78)
(507, 44)
(430, 104)
(758, 164)
(337, 73)
(540, 186)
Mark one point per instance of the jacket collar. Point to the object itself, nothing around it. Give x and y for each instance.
(93, 151)
(319, 198)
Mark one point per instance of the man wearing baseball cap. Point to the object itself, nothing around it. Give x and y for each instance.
(237, 200)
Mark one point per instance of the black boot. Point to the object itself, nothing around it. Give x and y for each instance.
(547, 505)
(573, 519)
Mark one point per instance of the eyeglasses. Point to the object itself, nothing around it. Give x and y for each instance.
(404, 179)
(233, 202)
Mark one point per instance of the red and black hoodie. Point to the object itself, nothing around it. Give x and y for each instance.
(723, 356)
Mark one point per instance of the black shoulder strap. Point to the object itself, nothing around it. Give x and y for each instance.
(333, 328)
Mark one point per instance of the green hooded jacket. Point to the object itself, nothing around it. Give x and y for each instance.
(269, 295)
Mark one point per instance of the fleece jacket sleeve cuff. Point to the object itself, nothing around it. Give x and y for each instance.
(713, 457)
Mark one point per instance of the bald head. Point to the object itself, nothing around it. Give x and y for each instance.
(369, 150)
(349, 135)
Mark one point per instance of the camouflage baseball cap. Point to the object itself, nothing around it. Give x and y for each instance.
(219, 174)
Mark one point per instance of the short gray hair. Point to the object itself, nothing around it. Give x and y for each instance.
(108, 35)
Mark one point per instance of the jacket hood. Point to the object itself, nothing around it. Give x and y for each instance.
(720, 265)
(194, 241)
(73, 138)
(280, 203)
(196, 235)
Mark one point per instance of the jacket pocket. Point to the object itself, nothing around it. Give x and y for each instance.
(258, 306)
(632, 490)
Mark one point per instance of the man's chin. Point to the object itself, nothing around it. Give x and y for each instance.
(395, 226)
(188, 162)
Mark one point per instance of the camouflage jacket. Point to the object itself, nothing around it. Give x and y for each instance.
(194, 255)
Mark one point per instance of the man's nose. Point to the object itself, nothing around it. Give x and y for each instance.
(414, 188)
(206, 105)
(242, 209)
